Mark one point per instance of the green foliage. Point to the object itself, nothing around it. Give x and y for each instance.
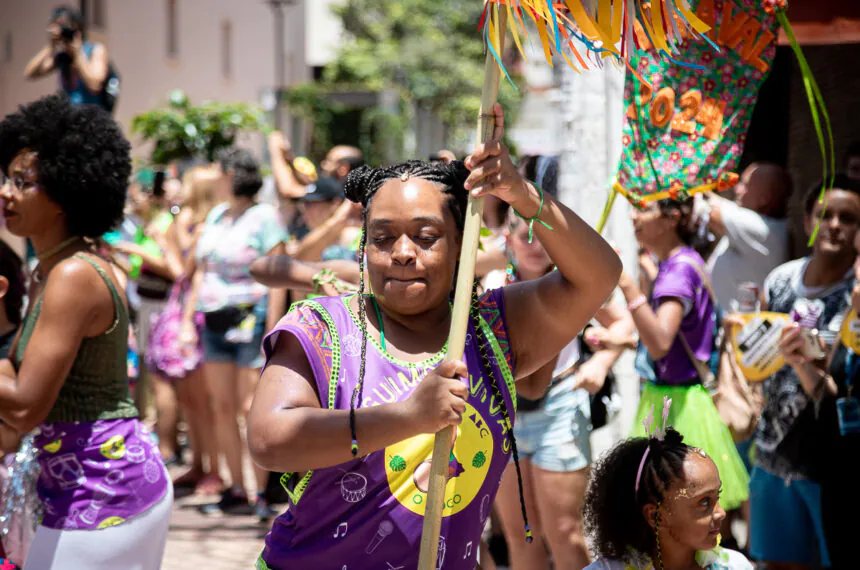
(381, 134)
(310, 101)
(429, 52)
(184, 131)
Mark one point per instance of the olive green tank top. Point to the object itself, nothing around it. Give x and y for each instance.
(97, 385)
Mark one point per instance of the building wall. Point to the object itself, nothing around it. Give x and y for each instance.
(537, 130)
(136, 36)
(325, 33)
(591, 116)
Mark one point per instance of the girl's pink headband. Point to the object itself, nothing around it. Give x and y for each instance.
(653, 433)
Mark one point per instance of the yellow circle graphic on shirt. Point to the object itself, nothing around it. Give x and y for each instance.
(54, 446)
(407, 466)
(114, 448)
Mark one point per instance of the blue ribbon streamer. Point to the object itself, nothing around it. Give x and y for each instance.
(497, 58)
(555, 26)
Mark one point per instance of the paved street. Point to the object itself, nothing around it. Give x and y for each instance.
(211, 542)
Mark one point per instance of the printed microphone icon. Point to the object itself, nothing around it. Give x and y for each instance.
(385, 528)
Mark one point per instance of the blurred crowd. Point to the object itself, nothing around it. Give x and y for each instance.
(211, 265)
(214, 255)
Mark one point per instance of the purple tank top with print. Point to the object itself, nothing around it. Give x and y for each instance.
(368, 513)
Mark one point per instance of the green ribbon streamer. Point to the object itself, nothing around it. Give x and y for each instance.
(607, 209)
(816, 106)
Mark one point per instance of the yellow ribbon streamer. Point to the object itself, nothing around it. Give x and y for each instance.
(603, 23)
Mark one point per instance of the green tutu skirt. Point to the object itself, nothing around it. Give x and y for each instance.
(694, 415)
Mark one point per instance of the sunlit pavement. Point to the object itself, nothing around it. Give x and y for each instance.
(211, 542)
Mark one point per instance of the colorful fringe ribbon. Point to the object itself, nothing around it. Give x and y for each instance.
(605, 28)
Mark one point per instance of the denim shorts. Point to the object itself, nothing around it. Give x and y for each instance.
(785, 522)
(557, 435)
(216, 348)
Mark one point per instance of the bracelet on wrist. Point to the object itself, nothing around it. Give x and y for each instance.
(636, 303)
(536, 218)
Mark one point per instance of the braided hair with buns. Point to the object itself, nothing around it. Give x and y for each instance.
(360, 186)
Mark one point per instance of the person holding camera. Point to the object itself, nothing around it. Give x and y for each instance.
(84, 67)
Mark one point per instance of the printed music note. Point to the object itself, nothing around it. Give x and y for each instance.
(341, 527)
(468, 550)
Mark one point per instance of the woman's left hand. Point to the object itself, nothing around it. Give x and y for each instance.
(493, 171)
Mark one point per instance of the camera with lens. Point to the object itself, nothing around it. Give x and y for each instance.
(67, 33)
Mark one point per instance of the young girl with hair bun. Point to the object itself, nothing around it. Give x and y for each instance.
(654, 504)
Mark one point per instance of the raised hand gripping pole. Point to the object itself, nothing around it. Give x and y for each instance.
(462, 303)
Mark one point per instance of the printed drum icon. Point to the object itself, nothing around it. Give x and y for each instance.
(353, 487)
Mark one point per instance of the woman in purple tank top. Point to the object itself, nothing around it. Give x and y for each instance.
(355, 386)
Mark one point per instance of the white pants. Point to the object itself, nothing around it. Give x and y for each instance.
(135, 545)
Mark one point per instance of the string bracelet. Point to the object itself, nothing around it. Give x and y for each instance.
(536, 218)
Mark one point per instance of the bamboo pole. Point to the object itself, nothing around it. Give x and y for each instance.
(462, 304)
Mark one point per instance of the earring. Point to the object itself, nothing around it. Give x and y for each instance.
(657, 537)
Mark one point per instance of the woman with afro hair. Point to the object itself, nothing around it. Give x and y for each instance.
(104, 487)
(654, 504)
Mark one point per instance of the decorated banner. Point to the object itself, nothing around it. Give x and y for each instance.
(756, 344)
(685, 128)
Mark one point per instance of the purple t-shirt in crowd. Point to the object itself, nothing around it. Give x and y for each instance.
(368, 513)
(678, 279)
